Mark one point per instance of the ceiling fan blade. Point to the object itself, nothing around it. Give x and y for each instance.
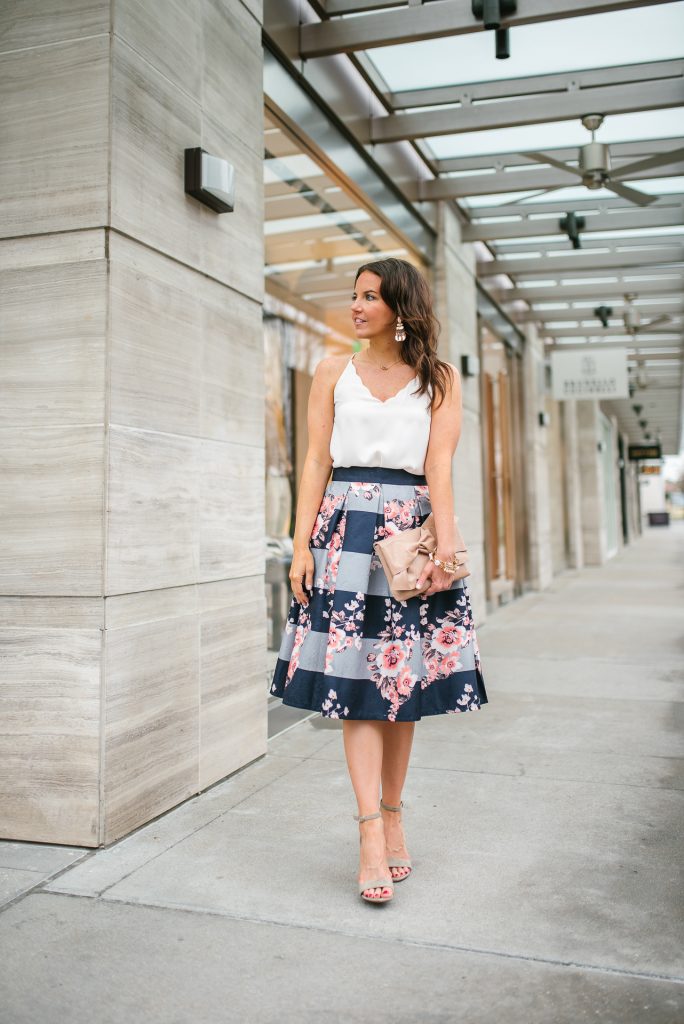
(660, 160)
(664, 319)
(640, 198)
(545, 158)
(540, 192)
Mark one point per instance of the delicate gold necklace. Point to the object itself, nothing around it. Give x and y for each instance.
(381, 366)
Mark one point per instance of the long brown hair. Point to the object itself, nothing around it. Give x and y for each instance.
(406, 292)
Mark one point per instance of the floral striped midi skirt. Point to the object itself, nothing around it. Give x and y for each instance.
(355, 651)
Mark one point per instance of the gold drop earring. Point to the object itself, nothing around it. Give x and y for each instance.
(400, 333)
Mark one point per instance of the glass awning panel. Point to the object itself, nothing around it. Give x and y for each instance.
(575, 44)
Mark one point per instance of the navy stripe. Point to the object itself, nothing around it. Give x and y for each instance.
(377, 474)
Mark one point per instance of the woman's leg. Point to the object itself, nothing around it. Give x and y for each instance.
(363, 746)
(397, 743)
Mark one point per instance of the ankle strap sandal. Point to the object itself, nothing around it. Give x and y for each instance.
(397, 862)
(374, 883)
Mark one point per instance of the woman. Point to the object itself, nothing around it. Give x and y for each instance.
(349, 649)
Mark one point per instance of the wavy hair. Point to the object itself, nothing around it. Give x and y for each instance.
(407, 294)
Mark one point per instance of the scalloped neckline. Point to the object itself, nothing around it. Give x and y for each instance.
(382, 401)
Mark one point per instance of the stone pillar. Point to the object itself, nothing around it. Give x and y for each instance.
(131, 416)
(555, 463)
(537, 475)
(615, 432)
(573, 484)
(593, 511)
(455, 294)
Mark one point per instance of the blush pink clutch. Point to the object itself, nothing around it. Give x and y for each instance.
(404, 554)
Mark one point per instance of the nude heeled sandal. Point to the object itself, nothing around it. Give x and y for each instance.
(397, 862)
(374, 883)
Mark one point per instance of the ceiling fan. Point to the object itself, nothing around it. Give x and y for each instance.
(632, 317)
(594, 166)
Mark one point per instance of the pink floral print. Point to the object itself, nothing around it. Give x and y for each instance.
(345, 629)
(398, 515)
(442, 641)
(302, 628)
(329, 505)
(331, 709)
(373, 655)
(389, 663)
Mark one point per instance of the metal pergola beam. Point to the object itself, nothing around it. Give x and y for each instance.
(571, 346)
(592, 206)
(433, 20)
(333, 231)
(295, 252)
(434, 189)
(297, 205)
(579, 261)
(613, 99)
(663, 338)
(635, 218)
(648, 244)
(619, 152)
(333, 7)
(673, 306)
(572, 292)
(508, 88)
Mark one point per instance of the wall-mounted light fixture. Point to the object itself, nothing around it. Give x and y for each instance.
(470, 366)
(210, 179)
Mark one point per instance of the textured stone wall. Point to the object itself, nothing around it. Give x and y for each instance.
(538, 451)
(591, 482)
(132, 615)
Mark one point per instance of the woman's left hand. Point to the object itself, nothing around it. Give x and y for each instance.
(433, 579)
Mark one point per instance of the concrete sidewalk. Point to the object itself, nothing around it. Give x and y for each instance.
(545, 830)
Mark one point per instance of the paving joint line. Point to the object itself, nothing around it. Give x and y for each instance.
(521, 775)
(422, 943)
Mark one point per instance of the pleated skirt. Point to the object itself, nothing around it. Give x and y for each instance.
(356, 652)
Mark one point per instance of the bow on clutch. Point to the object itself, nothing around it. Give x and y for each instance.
(404, 555)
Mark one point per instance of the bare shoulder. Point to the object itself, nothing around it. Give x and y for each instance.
(329, 368)
(454, 375)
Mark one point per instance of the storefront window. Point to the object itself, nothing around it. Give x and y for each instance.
(504, 480)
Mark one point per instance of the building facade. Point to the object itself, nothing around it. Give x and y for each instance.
(156, 364)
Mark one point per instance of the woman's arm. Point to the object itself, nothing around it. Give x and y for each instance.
(445, 432)
(315, 472)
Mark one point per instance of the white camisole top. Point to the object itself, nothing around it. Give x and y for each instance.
(369, 432)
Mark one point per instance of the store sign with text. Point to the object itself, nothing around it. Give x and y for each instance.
(589, 373)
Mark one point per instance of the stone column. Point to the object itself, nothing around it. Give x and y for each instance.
(537, 475)
(615, 431)
(573, 483)
(593, 510)
(131, 421)
(455, 294)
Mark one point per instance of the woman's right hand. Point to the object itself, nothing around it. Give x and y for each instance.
(301, 573)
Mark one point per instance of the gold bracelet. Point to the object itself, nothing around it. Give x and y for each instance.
(449, 565)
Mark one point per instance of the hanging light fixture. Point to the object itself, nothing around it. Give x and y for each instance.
(492, 13)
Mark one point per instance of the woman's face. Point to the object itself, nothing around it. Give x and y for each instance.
(371, 315)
